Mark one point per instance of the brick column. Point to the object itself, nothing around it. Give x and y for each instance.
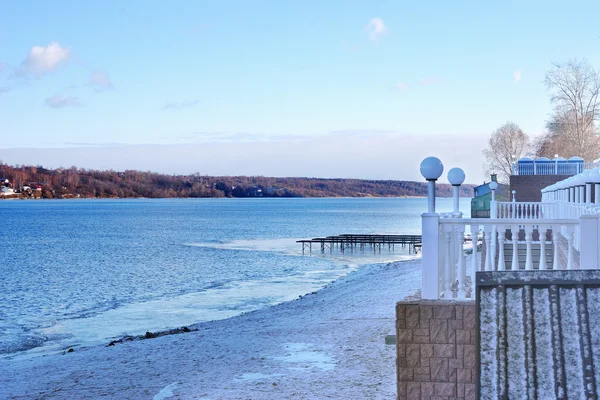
(435, 342)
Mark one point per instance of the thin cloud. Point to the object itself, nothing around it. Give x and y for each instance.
(94, 144)
(400, 86)
(518, 75)
(180, 105)
(100, 81)
(62, 101)
(430, 80)
(5, 89)
(376, 28)
(42, 60)
(362, 132)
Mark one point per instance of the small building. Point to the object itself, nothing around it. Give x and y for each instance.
(482, 195)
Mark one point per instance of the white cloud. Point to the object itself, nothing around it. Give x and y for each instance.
(179, 105)
(42, 60)
(518, 75)
(62, 101)
(100, 81)
(376, 28)
(401, 86)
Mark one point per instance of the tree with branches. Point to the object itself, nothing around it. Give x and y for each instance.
(571, 131)
(507, 143)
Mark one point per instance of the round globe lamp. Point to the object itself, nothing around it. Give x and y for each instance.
(431, 169)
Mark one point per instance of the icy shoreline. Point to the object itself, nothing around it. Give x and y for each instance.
(325, 345)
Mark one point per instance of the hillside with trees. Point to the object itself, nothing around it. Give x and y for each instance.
(30, 181)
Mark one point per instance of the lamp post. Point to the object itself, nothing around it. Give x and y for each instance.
(431, 169)
(456, 177)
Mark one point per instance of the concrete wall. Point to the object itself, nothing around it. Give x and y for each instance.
(435, 350)
(529, 187)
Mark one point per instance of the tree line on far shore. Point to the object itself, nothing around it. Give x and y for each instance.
(571, 130)
(77, 182)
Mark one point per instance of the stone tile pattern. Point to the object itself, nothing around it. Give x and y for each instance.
(435, 344)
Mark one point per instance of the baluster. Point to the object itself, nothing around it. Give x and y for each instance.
(487, 236)
(474, 238)
(555, 232)
(493, 249)
(542, 233)
(501, 237)
(447, 282)
(462, 268)
(528, 240)
(515, 247)
(570, 247)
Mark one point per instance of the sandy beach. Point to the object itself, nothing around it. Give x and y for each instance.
(329, 344)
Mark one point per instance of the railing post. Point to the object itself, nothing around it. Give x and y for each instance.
(448, 262)
(430, 226)
(569, 235)
(474, 239)
(542, 236)
(515, 247)
(555, 238)
(462, 273)
(528, 240)
(501, 238)
(588, 241)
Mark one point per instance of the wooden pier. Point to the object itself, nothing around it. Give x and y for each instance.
(353, 242)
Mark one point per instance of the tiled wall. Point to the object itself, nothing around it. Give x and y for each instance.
(435, 350)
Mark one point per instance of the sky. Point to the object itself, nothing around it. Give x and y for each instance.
(278, 88)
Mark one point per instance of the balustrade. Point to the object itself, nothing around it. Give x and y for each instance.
(530, 246)
(524, 210)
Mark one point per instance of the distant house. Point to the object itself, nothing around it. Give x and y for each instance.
(4, 182)
(480, 204)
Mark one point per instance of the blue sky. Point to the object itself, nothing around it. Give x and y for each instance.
(288, 78)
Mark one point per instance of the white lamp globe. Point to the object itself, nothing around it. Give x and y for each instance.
(431, 168)
(456, 176)
(493, 185)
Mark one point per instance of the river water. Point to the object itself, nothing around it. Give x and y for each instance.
(82, 272)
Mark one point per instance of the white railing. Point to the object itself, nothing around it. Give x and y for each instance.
(549, 168)
(552, 168)
(506, 245)
(524, 210)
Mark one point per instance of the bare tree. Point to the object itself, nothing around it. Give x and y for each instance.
(575, 90)
(506, 142)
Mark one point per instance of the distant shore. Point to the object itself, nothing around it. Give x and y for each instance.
(327, 344)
